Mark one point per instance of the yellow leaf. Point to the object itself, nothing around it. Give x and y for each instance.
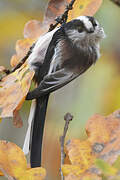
(86, 7)
(80, 153)
(15, 87)
(13, 163)
(67, 169)
(34, 174)
(12, 159)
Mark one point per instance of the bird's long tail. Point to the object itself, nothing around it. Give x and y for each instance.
(37, 130)
(26, 146)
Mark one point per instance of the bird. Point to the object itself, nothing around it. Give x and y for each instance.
(57, 58)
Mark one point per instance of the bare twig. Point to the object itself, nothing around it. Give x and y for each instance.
(22, 61)
(24, 58)
(117, 2)
(68, 117)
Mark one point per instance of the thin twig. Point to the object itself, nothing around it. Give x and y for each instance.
(117, 2)
(24, 58)
(22, 61)
(68, 117)
(63, 18)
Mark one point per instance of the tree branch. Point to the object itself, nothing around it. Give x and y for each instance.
(117, 2)
(68, 117)
(63, 18)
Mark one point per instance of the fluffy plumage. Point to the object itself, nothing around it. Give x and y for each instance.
(57, 58)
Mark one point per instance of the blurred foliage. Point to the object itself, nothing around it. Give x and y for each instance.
(97, 91)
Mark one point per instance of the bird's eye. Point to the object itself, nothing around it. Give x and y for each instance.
(95, 24)
(80, 29)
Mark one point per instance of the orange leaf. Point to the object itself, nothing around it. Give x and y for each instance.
(99, 128)
(13, 90)
(14, 60)
(13, 163)
(22, 47)
(33, 29)
(1, 174)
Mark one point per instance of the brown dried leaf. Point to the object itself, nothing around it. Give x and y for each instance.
(22, 47)
(55, 8)
(33, 29)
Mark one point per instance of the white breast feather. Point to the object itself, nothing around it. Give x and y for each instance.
(39, 51)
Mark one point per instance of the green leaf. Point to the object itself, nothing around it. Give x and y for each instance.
(117, 163)
(106, 168)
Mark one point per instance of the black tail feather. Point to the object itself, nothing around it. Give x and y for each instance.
(38, 129)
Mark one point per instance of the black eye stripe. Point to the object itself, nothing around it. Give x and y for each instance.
(75, 24)
(92, 20)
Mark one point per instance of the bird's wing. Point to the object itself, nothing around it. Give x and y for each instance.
(53, 82)
(58, 77)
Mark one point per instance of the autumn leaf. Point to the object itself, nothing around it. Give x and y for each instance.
(22, 47)
(56, 8)
(103, 142)
(86, 7)
(34, 28)
(13, 163)
(80, 153)
(13, 90)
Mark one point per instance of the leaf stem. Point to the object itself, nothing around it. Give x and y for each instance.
(68, 117)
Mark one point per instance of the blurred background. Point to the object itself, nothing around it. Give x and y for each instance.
(97, 91)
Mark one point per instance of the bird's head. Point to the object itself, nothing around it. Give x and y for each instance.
(84, 29)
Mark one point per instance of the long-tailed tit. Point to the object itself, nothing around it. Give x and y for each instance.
(57, 58)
